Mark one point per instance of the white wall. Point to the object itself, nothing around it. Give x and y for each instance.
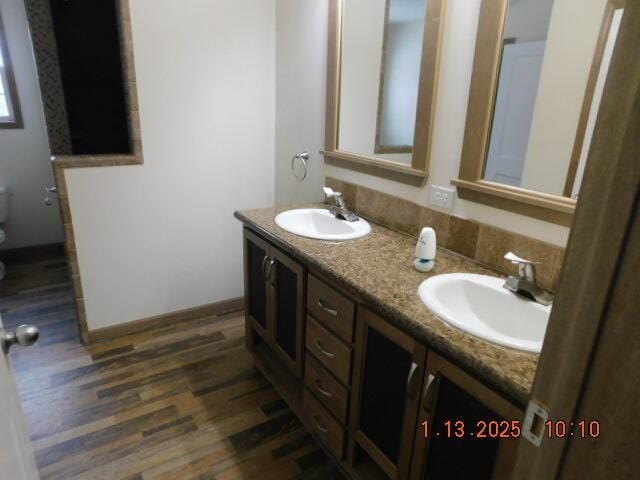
(161, 237)
(563, 82)
(461, 21)
(24, 153)
(301, 66)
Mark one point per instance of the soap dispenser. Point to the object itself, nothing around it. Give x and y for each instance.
(425, 250)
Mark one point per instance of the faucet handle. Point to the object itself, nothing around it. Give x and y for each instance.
(513, 258)
(526, 268)
(329, 192)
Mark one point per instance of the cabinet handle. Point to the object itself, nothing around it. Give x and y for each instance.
(411, 380)
(323, 351)
(324, 392)
(427, 398)
(327, 309)
(269, 269)
(264, 266)
(318, 426)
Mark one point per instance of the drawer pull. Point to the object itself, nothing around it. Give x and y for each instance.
(318, 426)
(427, 397)
(270, 265)
(326, 308)
(323, 351)
(412, 380)
(324, 392)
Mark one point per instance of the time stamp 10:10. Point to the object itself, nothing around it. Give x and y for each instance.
(510, 429)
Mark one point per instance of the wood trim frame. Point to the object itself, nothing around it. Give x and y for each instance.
(594, 72)
(265, 332)
(62, 162)
(417, 173)
(12, 92)
(550, 208)
(592, 295)
(166, 319)
(365, 320)
(484, 82)
(297, 365)
(437, 366)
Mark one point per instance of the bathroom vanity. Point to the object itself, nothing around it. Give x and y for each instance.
(339, 330)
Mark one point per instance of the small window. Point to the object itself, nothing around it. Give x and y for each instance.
(9, 106)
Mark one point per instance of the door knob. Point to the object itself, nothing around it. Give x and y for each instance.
(25, 336)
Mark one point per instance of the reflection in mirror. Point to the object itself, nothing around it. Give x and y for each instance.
(380, 77)
(550, 84)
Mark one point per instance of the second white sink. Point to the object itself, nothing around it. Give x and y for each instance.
(478, 304)
(320, 224)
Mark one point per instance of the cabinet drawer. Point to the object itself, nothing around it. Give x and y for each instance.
(331, 352)
(326, 388)
(331, 308)
(326, 428)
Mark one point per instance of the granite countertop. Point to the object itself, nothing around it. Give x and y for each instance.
(379, 269)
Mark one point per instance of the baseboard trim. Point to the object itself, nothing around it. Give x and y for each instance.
(164, 319)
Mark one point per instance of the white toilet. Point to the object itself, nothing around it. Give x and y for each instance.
(4, 211)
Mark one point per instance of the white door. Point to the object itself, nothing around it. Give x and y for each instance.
(16, 455)
(515, 102)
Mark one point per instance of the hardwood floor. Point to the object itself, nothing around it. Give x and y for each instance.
(180, 402)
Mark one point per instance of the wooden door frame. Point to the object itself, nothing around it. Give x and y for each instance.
(598, 242)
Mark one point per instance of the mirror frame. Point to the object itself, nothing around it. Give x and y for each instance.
(484, 82)
(417, 172)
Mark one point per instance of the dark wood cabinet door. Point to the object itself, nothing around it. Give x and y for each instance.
(469, 428)
(388, 372)
(288, 280)
(258, 291)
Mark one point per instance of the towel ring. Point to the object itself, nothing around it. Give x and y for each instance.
(304, 157)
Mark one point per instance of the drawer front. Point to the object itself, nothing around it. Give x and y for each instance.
(331, 308)
(331, 352)
(326, 428)
(327, 389)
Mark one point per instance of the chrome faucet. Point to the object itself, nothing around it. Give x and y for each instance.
(339, 210)
(525, 283)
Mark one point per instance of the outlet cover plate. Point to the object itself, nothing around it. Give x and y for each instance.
(443, 197)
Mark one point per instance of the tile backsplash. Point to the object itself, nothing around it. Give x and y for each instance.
(483, 243)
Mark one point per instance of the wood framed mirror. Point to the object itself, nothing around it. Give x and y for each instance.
(538, 77)
(381, 85)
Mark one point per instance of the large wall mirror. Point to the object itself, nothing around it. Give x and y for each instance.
(383, 61)
(538, 79)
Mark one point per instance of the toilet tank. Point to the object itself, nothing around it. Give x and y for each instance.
(4, 204)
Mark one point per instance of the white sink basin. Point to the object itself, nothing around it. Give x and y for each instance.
(478, 304)
(319, 223)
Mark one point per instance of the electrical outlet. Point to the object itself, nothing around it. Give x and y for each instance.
(442, 196)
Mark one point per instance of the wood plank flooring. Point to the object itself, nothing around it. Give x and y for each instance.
(181, 402)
